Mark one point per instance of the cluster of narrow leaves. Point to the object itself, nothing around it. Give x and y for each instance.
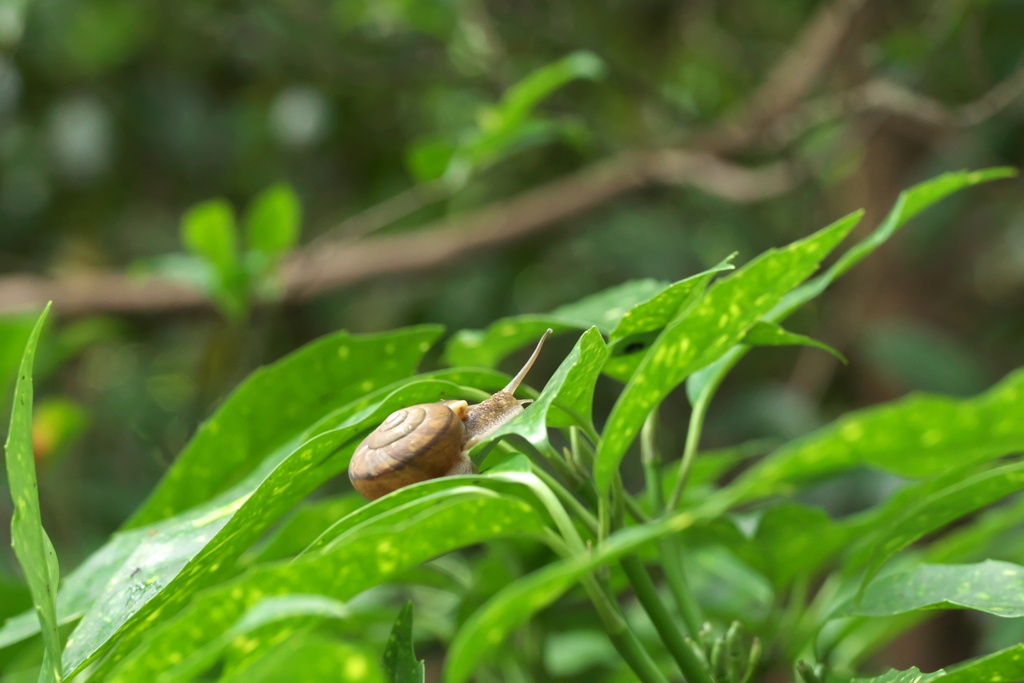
(228, 572)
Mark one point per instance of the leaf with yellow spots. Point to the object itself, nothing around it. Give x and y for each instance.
(930, 512)
(604, 310)
(920, 435)
(253, 633)
(719, 321)
(639, 328)
(488, 627)
(400, 663)
(911, 202)
(358, 560)
(31, 544)
(991, 586)
(311, 658)
(175, 558)
(772, 334)
(911, 675)
(999, 667)
(275, 404)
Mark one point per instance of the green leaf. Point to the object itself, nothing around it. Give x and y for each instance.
(274, 404)
(911, 675)
(730, 308)
(250, 629)
(794, 540)
(352, 563)
(31, 545)
(311, 658)
(982, 537)
(772, 334)
(1005, 665)
(273, 221)
(400, 663)
(179, 556)
(198, 548)
(658, 311)
(933, 512)
(910, 203)
(305, 525)
(82, 586)
(489, 626)
(487, 348)
(428, 159)
(639, 328)
(919, 435)
(520, 100)
(572, 385)
(991, 586)
(208, 230)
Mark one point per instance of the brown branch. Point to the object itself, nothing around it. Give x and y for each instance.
(790, 80)
(886, 97)
(319, 267)
(325, 264)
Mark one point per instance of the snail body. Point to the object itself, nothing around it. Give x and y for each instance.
(430, 440)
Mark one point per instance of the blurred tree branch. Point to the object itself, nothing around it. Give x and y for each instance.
(778, 111)
(321, 266)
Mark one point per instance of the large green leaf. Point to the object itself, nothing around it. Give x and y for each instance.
(730, 308)
(991, 586)
(272, 617)
(794, 540)
(274, 404)
(911, 675)
(413, 499)
(918, 435)
(640, 327)
(603, 310)
(311, 658)
(1005, 665)
(351, 564)
(305, 525)
(31, 545)
(489, 626)
(400, 663)
(910, 203)
(661, 309)
(934, 511)
(198, 548)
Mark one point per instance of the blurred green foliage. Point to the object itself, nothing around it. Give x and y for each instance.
(121, 121)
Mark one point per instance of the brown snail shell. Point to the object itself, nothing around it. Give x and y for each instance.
(413, 444)
(430, 440)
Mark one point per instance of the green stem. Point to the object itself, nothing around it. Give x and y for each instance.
(624, 640)
(567, 499)
(668, 548)
(700, 409)
(677, 646)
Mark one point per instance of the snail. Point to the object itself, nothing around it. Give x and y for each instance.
(430, 440)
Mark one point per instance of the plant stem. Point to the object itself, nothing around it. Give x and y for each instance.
(620, 634)
(567, 499)
(700, 409)
(624, 640)
(668, 547)
(646, 593)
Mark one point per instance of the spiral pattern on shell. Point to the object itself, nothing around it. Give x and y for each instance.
(413, 444)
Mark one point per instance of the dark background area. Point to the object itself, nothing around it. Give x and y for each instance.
(117, 115)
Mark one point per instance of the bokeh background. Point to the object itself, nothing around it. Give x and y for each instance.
(771, 119)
